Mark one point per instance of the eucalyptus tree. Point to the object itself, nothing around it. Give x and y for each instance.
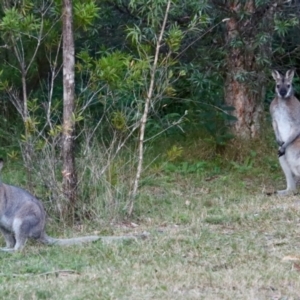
(248, 34)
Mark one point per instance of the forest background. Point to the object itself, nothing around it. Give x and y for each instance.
(165, 129)
(160, 87)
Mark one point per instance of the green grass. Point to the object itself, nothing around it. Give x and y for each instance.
(214, 234)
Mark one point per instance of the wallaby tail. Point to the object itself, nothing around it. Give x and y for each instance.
(87, 239)
(66, 242)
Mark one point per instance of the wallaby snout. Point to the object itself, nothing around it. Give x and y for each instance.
(283, 91)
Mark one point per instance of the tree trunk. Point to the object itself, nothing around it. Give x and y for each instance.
(69, 171)
(248, 108)
(241, 92)
(245, 78)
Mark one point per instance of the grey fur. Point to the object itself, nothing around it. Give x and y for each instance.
(285, 112)
(22, 216)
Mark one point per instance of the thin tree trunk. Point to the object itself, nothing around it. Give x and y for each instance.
(145, 113)
(69, 171)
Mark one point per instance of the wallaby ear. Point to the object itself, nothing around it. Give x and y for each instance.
(289, 75)
(1, 163)
(276, 75)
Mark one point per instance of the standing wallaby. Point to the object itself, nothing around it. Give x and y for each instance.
(22, 216)
(285, 112)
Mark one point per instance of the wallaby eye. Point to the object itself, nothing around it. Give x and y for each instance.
(278, 86)
(288, 86)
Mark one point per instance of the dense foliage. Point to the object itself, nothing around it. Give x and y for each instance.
(116, 42)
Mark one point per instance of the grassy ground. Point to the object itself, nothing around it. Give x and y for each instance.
(214, 234)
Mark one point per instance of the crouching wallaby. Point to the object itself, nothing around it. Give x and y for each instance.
(285, 112)
(22, 216)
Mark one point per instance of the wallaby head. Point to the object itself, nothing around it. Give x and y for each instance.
(283, 87)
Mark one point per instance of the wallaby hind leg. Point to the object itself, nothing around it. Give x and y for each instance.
(290, 179)
(21, 229)
(9, 238)
(20, 243)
